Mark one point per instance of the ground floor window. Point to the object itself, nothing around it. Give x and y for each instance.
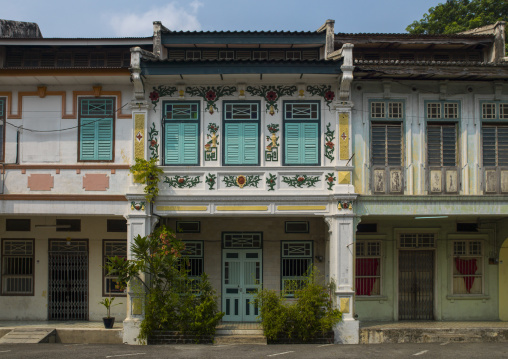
(296, 260)
(112, 248)
(467, 267)
(368, 268)
(18, 267)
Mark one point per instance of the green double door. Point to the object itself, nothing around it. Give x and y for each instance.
(241, 279)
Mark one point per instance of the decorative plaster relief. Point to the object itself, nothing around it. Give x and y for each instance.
(95, 182)
(139, 135)
(40, 182)
(344, 136)
(344, 177)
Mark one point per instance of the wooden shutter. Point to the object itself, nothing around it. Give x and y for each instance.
(104, 139)
(87, 139)
(309, 143)
(250, 146)
(181, 146)
(292, 143)
(232, 143)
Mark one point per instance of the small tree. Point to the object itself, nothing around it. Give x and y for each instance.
(172, 300)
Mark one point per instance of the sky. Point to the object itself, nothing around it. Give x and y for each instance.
(129, 18)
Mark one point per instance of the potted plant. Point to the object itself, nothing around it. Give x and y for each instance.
(109, 321)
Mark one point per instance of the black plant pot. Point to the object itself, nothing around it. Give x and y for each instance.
(108, 322)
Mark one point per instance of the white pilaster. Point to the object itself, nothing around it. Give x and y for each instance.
(341, 234)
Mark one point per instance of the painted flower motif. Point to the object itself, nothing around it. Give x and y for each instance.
(240, 180)
(210, 95)
(300, 179)
(153, 142)
(271, 96)
(210, 180)
(181, 180)
(329, 95)
(154, 96)
(330, 179)
(269, 148)
(330, 144)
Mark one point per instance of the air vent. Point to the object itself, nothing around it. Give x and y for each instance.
(243, 55)
(467, 227)
(310, 55)
(276, 55)
(210, 54)
(68, 225)
(297, 227)
(366, 228)
(188, 226)
(17, 225)
(117, 225)
(176, 55)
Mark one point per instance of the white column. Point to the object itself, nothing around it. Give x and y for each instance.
(140, 223)
(341, 234)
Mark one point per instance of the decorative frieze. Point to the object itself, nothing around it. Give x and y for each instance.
(324, 91)
(211, 145)
(210, 180)
(299, 181)
(138, 206)
(329, 144)
(271, 181)
(272, 150)
(330, 180)
(153, 142)
(211, 94)
(242, 181)
(271, 94)
(182, 181)
(160, 91)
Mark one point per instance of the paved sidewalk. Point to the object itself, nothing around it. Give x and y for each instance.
(432, 325)
(8, 324)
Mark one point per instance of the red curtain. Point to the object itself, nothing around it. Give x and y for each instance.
(467, 267)
(366, 267)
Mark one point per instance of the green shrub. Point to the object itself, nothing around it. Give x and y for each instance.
(311, 313)
(173, 302)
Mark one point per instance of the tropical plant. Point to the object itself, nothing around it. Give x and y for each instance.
(108, 303)
(147, 173)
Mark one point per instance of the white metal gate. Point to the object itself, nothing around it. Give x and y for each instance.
(68, 280)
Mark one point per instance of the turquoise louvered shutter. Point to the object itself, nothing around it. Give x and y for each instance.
(310, 143)
(189, 143)
(250, 143)
(96, 139)
(301, 144)
(232, 147)
(181, 147)
(104, 139)
(292, 143)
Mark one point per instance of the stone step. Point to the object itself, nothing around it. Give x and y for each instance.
(29, 335)
(407, 335)
(239, 332)
(239, 339)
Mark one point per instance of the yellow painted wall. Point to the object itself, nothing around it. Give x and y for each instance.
(503, 281)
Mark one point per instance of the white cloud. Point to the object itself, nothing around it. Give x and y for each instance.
(172, 16)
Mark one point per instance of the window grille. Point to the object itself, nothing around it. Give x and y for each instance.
(387, 109)
(417, 240)
(377, 110)
(495, 145)
(241, 111)
(113, 249)
(468, 267)
(368, 268)
(192, 256)
(451, 110)
(433, 110)
(17, 267)
(242, 240)
(296, 260)
(301, 111)
(489, 111)
(494, 110)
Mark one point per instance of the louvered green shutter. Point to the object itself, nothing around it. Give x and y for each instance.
(310, 142)
(104, 139)
(232, 138)
(292, 143)
(189, 143)
(96, 139)
(172, 143)
(250, 143)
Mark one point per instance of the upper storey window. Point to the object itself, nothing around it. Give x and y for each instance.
(301, 133)
(241, 133)
(181, 133)
(442, 144)
(495, 146)
(96, 129)
(387, 145)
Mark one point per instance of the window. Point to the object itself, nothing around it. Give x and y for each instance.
(17, 267)
(301, 133)
(181, 131)
(295, 262)
(193, 55)
(368, 268)
(241, 133)
(260, 55)
(442, 143)
(293, 55)
(467, 267)
(112, 248)
(417, 240)
(193, 258)
(3, 110)
(386, 145)
(96, 129)
(495, 157)
(494, 110)
(226, 55)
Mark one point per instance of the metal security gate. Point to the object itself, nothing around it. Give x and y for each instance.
(68, 280)
(416, 285)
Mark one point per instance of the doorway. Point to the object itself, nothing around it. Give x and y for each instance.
(68, 280)
(241, 276)
(416, 285)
